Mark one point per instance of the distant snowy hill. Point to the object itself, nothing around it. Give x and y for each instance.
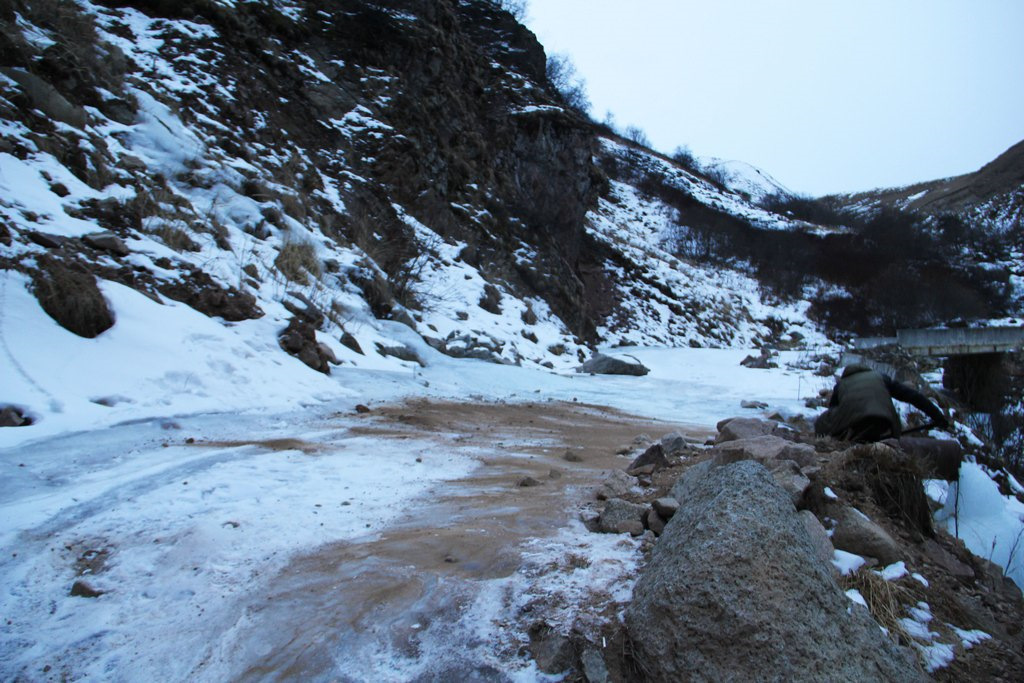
(744, 179)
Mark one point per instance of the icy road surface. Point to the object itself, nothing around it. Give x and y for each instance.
(324, 544)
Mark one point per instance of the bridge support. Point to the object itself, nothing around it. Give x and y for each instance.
(978, 379)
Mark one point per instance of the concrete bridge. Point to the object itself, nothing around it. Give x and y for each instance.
(961, 341)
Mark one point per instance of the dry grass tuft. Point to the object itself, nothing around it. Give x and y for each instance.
(72, 298)
(886, 600)
(177, 239)
(298, 260)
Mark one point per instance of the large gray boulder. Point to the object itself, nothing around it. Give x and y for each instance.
(736, 591)
(601, 364)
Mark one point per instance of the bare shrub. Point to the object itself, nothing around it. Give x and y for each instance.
(375, 227)
(517, 8)
(684, 157)
(71, 297)
(297, 260)
(637, 135)
(561, 73)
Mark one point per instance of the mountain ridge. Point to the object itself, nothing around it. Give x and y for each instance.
(991, 197)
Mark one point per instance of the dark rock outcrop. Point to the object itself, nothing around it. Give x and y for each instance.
(198, 290)
(601, 364)
(299, 340)
(735, 590)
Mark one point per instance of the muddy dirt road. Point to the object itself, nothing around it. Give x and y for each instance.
(441, 594)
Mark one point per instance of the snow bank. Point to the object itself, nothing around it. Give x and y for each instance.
(990, 524)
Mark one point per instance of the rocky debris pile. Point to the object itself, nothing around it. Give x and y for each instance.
(465, 345)
(807, 556)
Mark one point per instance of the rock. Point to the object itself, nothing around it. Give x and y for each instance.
(690, 478)
(857, 534)
(490, 300)
(471, 345)
(552, 651)
(361, 409)
(200, 291)
(665, 507)
(591, 520)
(312, 358)
(107, 241)
(299, 340)
(642, 471)
(947, 560)
(621, 516)
(601, 364)
(46, 98)
(327, 353)
(761, 362)
(594, 668)
(787, 474)
(527, 482)
(572, 456)
(616, 485)
(734, 591)
(735, 428)
(765, 449)
(654, 522)
(400, 315)
(753, 405)
(823, 548)
(403, 352)
(673, 443)
(46, 240)
(352, 343)
(81, 589)
(131, 162)
(653, 457)
(12, 417)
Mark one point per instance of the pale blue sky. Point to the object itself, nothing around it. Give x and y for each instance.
(825, 95)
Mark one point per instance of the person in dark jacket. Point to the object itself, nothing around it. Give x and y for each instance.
(861, 408)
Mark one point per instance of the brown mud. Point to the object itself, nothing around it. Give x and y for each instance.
(337, 613)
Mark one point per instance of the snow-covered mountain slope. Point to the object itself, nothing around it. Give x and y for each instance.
(991, 198)
(245, 186)
(662, 299)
